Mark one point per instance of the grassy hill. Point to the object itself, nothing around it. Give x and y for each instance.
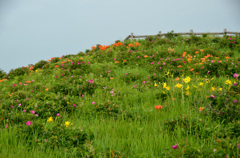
(155, 97)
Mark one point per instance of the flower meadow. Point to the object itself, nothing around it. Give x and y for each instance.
(156, 97)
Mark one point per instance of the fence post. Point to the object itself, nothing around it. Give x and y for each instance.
(131, 36)
(191, 31)
(225, 31)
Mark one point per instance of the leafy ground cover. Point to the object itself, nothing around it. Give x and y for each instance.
(155, 97)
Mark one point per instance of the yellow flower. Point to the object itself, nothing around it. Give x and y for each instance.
(212, 78)
(164, 85)
(178, 85)
(187, 79)
(155, 85)
(46, 89)
(111, 78)
(200, 84)
(213, 89)
(207, 81)
(36, 70)
(220, 89)
(228, 82)
(50, 119)
(187, 88)
(67, 123)
(68, 102)
(187, 93)
(168, 88)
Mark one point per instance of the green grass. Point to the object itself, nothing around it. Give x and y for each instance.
(114, 115)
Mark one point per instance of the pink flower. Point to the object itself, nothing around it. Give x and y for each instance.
(28, 123)
(144, 82)
(33, 112)
(74, 105)
(208, 72)
(175, 146)
(93, 102)
(212, 96)
(58, 114)
(164, 63)
(7, 126)
(239, 146)
(36, 115)
(24, 110)
(12, 106)
(109, 71)
(235, 75)
(235, 101)
(82, 96)
(152, 63)
(45, 140)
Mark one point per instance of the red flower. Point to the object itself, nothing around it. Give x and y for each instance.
(158, 107)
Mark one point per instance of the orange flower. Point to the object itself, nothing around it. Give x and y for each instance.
(145, 56)
(56, 66)
(227, 57)
(81, 58)
(46, 89)
(116, 61)
(69, 60)
(197, 52)
(124, 60)
(52, 58)
(137, 44)
(216, 57)
(179, 66)
(177, 79)
(28, 81)
(158, 107)
(63, 62)
(191, 69)
(196, 73)
(93, 47)
(201, 109)
(48, 60)
(189, 60)
(130, 45)
(201, 50)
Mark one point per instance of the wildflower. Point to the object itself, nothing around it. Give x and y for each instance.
(50, 119)
(235, 84)
(111, 78)
(175, 146)
(201, 109)
(178, 85)
(124, 61)
(67, 123)
(235, 101)
(220, 89)
(19, 105)
(200, 84)
(235, 75)
(130, 45)
(58, 114)
(187, 79)
(179, 66)
(24, 110)
(155, 85)
(46, 89)
(228, 82)
(212, 96)
(145, 56)
(12, 106)
(28, 123)
(187, 88)
(158, 107)
(168, 88)
(177, 78)
(33, 112)
(144, 82)
(93, 102)
(213, 89)
(239, 146)
(164, 85)
(74, 105)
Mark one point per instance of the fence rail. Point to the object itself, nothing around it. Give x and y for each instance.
(225, 32)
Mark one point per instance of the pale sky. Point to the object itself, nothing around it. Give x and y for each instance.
(34, 30)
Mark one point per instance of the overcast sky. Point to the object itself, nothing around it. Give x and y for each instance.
(34, 30)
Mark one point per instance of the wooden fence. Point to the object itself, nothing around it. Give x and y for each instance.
(225, 32)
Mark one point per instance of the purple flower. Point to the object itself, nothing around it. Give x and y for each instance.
(235, 84)
(74, 105)
(12, 106)
(175, 146)
(235, 101)
(14, 85)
